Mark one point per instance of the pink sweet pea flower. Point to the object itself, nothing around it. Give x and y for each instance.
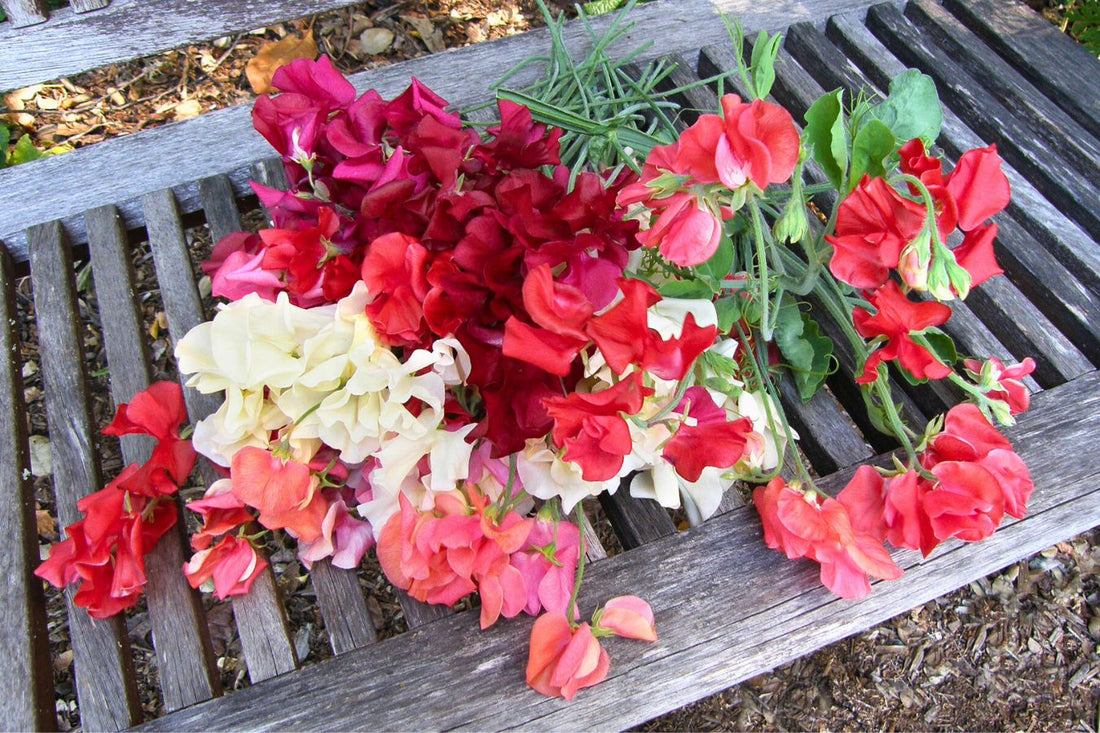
(233, 564)
(686, 232)
(563, 660)
(629, 617)
(548, 563)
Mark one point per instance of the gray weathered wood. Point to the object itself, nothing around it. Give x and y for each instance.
(636, 521)
(22, 13)
(1020, 143)
(26, 690)
(261, 618)
(71, 42)
(1060, 130)
(219, 206)
(1047, 57)
(104, 669)
(84, 6)
(1065, 262)
(185, 659)
(418, 614)
(742, 612)
(223, 142)
(343, 607)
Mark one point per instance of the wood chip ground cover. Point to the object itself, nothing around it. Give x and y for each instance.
(1017, 649)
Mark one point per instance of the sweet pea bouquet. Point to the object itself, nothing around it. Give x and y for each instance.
(446, 341)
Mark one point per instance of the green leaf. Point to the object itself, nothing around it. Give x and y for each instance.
(825, 133)
(601, 7)
(686, 289)
(805, 350)
(764, 52)
(5, 138)
(873, 144)
(729, 310)
(912, 108)
(941, 345)
(23, 151)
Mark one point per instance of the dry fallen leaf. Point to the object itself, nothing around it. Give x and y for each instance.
(41, 456)
(276, 54)
(375, 40)
(47, 527)
(187, 109)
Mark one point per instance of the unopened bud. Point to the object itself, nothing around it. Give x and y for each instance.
(792, 224)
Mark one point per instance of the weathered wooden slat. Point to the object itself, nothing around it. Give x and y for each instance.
(419, 614)
(22, 13)
(1018, 142)
(1047, 57)
(224, 142)
(343, 607)
(261, 618)
(84, 6)
(185, 658)
(72, 42)
(742, 612)
(1017, 322)
(26, 690)
(1060, 130)
(636, 521)
(104, 668)
(219, 206)
(1036, 268)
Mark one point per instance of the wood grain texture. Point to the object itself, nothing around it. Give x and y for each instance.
(1061, 132)
(104, 669)
(22, 13)
(1015, 321)
(26, 690)
(219, 206)
(126, 29)
(261, 618)
(636, 521)
(1047, 57)
(1018, 142)
(223, 142)
(1041, 251)
(343, 607)
(185, 659)
(743, 612)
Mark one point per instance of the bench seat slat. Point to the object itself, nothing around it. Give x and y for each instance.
(1047, 57)
(26, 691)
(1017, 141)
(261, 618)
(1079, 147)
(22, 13)
(185, 659)
(86, 6)
(105, 676)
(742, 612)
(1066, 263)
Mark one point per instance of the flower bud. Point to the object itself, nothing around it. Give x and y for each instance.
(627, 616)
(792, 224)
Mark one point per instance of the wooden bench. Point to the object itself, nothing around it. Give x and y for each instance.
(727, 608)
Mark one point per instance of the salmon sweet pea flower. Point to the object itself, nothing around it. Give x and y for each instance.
(627, 616)
(563, 659)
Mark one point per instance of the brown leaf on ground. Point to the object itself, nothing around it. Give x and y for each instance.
(47, 527)
(272, 56)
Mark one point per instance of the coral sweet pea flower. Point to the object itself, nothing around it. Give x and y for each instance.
(562, 659)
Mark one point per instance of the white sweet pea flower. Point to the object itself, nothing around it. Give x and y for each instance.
(667, 317)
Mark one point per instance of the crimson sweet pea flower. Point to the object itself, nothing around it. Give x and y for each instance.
(897, 319)
(563, 660)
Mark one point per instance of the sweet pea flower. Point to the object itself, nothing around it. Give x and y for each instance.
(545, 475)
(1005, 382)
(627, 616)
(896, 319)
(232, 565)
(563, 660)
(548, 563)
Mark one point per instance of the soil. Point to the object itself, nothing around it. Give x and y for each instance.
(1017, 649)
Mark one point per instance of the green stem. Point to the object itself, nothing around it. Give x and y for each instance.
(762, 269)
(571, 611)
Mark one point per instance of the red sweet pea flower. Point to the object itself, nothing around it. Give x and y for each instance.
(563, 660)
(761, 142)
(979, 187)
(897, 318)
(395, 271)
(874, 224)
(284, 492)
(969, 438)
(221, 511)
(591, 429)
(706, 437)
(967, 501)
(1010, 387)
(890, 508)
